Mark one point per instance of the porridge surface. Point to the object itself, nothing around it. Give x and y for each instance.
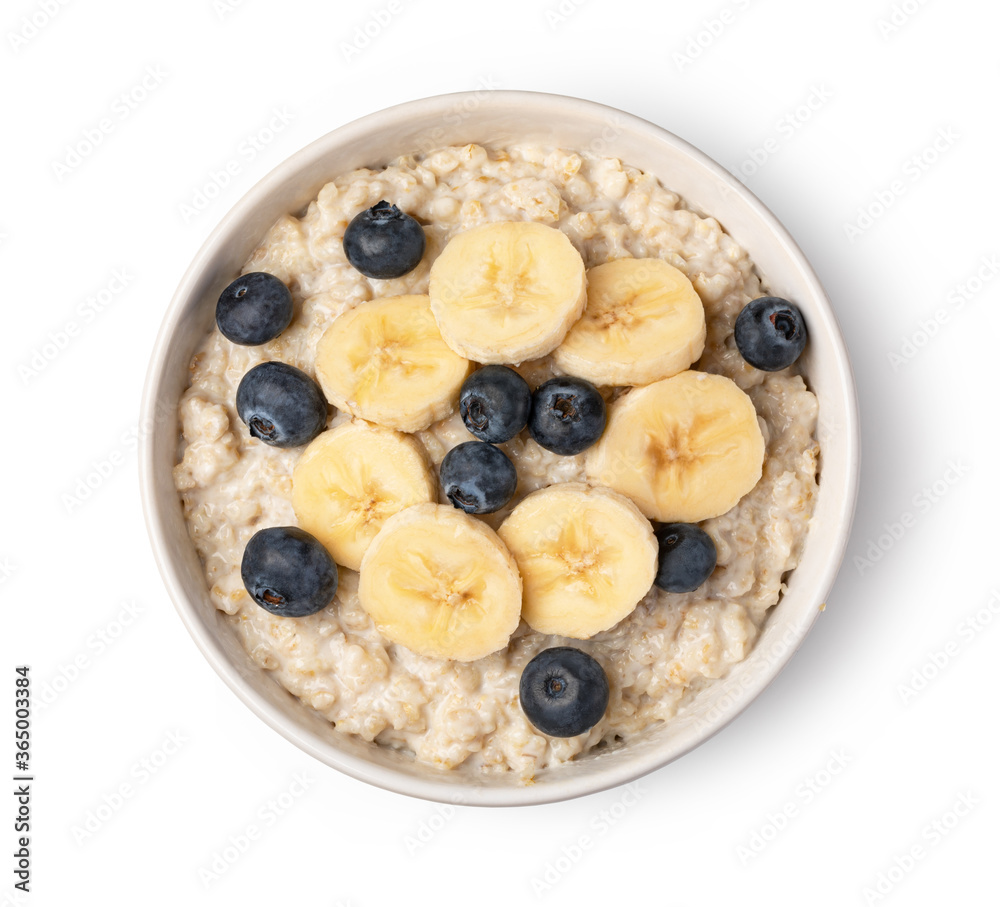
(449, 713)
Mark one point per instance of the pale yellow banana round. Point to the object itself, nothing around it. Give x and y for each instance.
(351, 479)
(644, 321)
(441, 583)
(684, 449)
(385, 361)
(586, 555)
(507, 292)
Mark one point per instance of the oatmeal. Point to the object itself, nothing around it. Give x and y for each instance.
(451, 713)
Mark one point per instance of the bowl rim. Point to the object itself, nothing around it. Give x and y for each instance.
(614, 772)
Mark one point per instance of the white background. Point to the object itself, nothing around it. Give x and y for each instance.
(79, 586)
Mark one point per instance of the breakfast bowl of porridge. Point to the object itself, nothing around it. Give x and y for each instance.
(501, 448)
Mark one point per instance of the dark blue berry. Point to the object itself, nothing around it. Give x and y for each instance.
(383, 242)
(687, 557)
(770, 333)
(494, 403)
(478, 477)
(288, 572)
(564, 691)
(567, 415)
(281, 405)
(254, 309)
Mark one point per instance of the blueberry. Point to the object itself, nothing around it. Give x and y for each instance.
(494, 403)
(564, 691)
(478, 477)
(770, 333)
(687, 557)
(384, 242)
(567, 415)
(288, 572)
(254, 309)
(281, 405)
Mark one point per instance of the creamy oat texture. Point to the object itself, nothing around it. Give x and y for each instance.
(446, 713)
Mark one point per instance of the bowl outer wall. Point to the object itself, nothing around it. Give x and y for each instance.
(496, 118)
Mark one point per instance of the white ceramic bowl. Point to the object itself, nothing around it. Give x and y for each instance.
(494, 118)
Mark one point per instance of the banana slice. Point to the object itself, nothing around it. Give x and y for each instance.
(643, 322)
(586, 557)
(351, 479)
(507, 292)
(441, 583)
(684, 449)
(385, 361)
